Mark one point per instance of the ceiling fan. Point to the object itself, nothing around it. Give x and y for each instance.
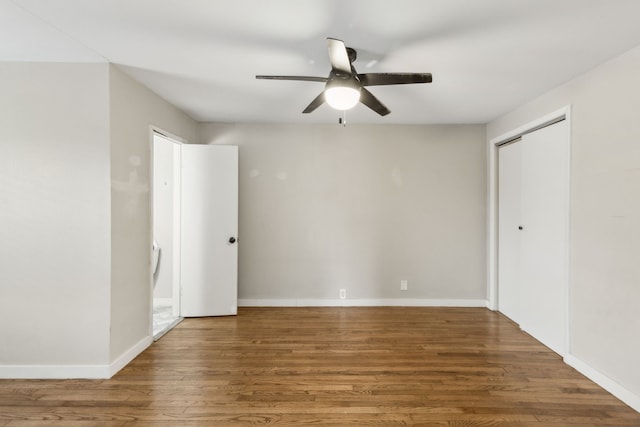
(344, 87)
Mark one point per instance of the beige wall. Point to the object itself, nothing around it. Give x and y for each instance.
(605, 212)
(133, 110)
(359, 208)
(75, 151)
(54, 217)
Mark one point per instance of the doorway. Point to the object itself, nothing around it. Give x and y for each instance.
(195, 231)
(166, 234)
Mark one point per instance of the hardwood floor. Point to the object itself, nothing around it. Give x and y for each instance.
(329, 366)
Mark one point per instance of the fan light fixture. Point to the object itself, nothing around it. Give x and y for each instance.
(342, 97)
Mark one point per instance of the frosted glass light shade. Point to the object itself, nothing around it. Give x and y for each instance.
(342, 97)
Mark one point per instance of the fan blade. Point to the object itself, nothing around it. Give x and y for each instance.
(380, 79)
(318, 101)
(338, 56)
(302, 78)
(372, 102)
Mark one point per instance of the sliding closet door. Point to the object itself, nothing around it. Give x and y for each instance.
(543, 248)
(533, 232)
(509, 214)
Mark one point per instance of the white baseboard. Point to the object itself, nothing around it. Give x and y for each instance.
(378, 302)
(613, 387)
(74, 371)
(126, 357)
(50, 372)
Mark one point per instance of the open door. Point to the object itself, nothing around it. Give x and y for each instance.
(209, 227)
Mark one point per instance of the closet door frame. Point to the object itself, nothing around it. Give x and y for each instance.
(492, 214)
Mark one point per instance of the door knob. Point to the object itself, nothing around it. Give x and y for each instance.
(232, 240)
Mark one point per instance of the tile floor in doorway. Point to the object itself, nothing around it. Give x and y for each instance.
(163, 319)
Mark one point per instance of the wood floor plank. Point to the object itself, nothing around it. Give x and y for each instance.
(365, 366)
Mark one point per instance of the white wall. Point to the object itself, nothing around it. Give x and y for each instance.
(360, 208)
(54, 217)
(133, 109)
(605, 215)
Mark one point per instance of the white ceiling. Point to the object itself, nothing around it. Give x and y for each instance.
(487, 56)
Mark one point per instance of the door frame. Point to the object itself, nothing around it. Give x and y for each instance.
(492, 207)
(153, 131)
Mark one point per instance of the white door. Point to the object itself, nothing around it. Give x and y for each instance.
(509, 214)
(533, 232)
(209, 223)
(543, 248)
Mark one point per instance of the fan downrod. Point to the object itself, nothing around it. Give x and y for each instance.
(353, 55)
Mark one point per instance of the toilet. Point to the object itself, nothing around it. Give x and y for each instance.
(155, 260)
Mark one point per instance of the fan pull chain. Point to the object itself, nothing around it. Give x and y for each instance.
(343, 120)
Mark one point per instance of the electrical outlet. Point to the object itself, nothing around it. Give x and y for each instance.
(404, 285)
(343, 293)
